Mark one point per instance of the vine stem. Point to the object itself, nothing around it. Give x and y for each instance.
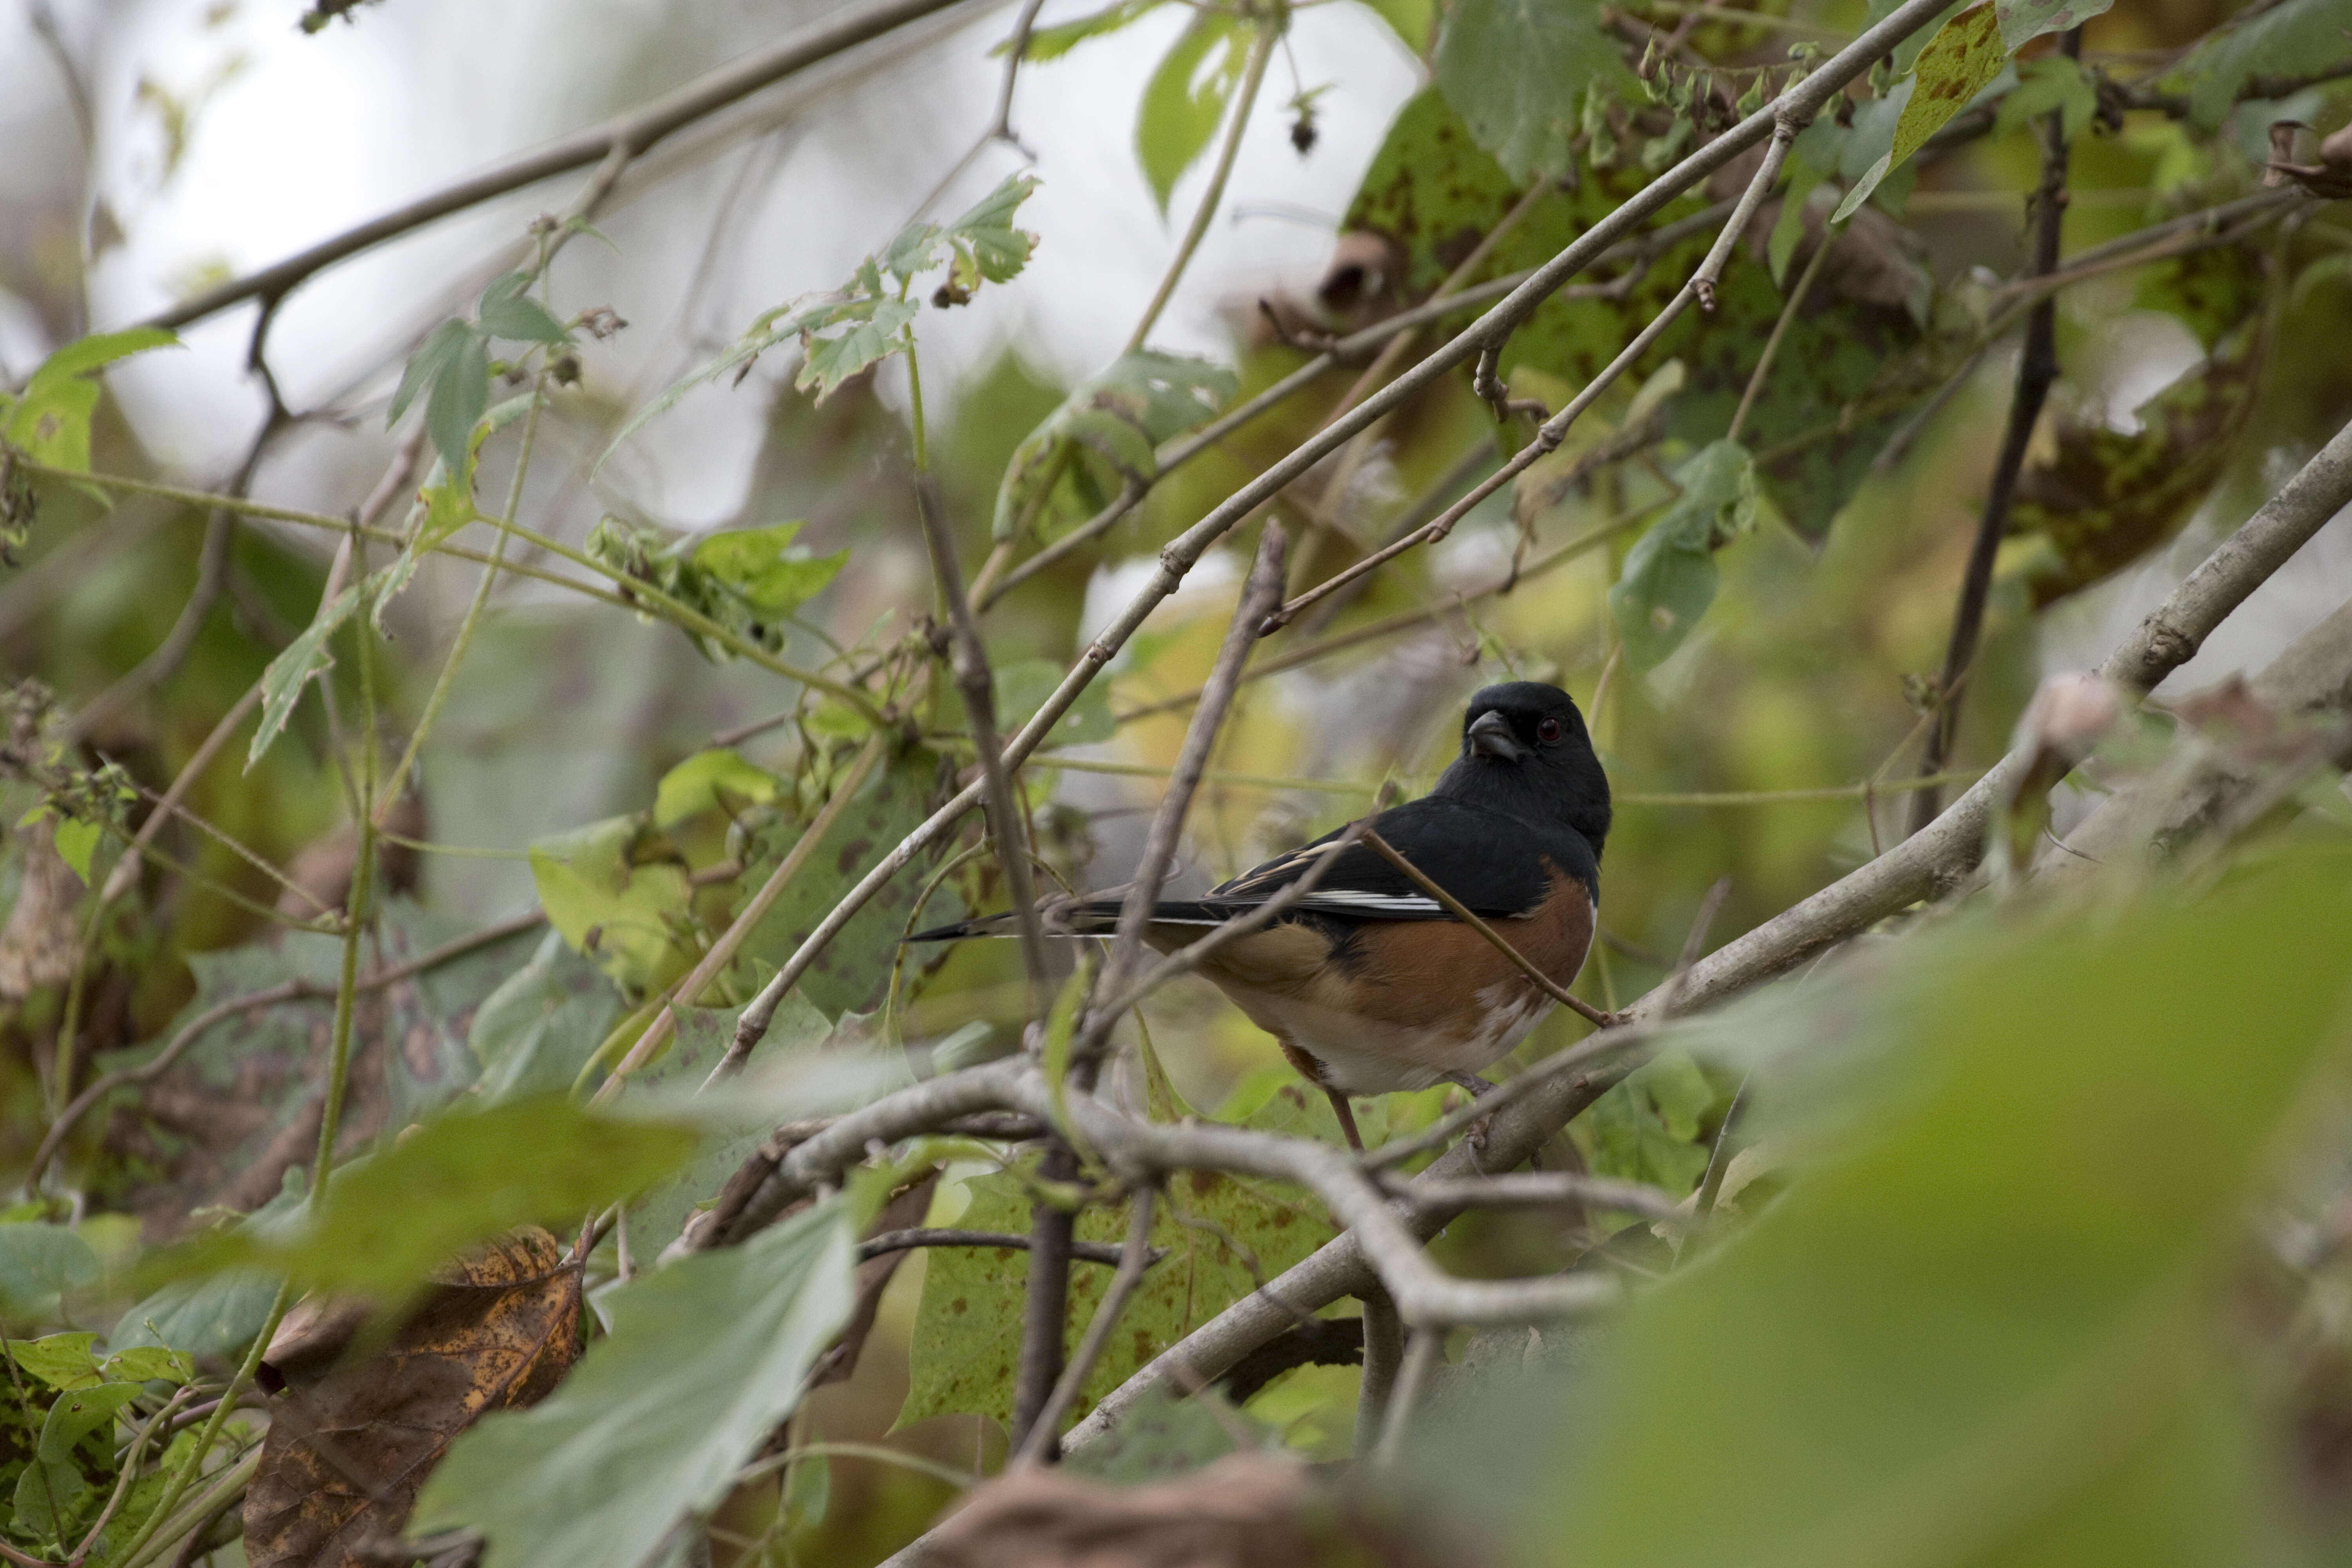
(1779, 329)
(1261, 52)
(2037, 369)
(472, 622)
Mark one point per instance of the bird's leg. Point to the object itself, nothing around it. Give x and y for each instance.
(1312, 1071)
(1347, 1116)
(1479, 1089)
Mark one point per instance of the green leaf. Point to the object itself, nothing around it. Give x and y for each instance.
(619, 896)
(704, 1358)
(916, 248)
(966, 1328)
(985, 233)
(461, 391)
(1990, 1326)
(38, 1262)
(100, 350)
(1646, 1128)
(78, 1411)
(1958, 62)
(873, 335)
(50, 420)
(1106, 432)
(76, 842)
(2022, 21)
(391, 1220)
(49, 1499)
(1184, 101)
(291, 670)
(719, 779)
(2054, 82)
(1053, 43)
(2284, 39)
(150, 1363)
(437, 353)
(1669, 577)
(764, 568)
(217, 1316)
(1517, 72)
(779, 325)
(1413, 21)
(61, 1361)
(507, 312)
(538, 1029)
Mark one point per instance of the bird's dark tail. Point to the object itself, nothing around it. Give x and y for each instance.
(1091, 917)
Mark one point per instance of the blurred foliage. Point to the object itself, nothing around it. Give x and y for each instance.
(2030, 1248)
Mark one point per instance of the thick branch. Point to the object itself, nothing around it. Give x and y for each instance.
(630, 134)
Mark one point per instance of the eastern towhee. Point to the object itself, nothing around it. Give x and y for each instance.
(1368, 985)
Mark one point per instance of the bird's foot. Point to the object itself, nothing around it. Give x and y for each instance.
(1479, 1089)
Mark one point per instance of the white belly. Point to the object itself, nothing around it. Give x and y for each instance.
(1422, 1060)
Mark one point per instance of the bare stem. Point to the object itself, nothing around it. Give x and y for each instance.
(2037, 368)
(1134, 1258)
(1269, 32)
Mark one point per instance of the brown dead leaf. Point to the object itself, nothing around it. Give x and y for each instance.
(43, 939)
(321, 871)
(350, 1441)
(1246, 1511)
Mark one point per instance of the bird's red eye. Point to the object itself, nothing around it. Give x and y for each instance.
(1548, 732)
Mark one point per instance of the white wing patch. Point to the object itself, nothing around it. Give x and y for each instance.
(1343, 900)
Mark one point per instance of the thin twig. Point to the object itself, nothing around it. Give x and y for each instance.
(2037, 369)
(1134, 1258)
(977, 684)
(1779, 329)
(1421, 1352)
(1269, 31)
(688, 992)
(1462, 912)
(1185, 960)
(635, 129)
(1260, 591)
(1521, 1189)
(890, 1241)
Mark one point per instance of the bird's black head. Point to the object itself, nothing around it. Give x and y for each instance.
(1525, 750)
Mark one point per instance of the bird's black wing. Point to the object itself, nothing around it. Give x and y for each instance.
(1494, 863)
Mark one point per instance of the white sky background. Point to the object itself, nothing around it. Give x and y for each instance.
(316, 133)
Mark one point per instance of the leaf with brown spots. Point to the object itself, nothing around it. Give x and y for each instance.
(1223, 1235)
(350, 1441)
(2105, 497)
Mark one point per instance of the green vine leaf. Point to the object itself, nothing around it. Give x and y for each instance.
(1053, 43)
(1670, 574)
(1106, 431)
(306, 657)
(50, 420)
(1185, 101)
(1517, 71)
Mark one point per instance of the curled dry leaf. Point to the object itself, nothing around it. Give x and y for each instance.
(43, 938)
(350, 1441)
(1246, 1511)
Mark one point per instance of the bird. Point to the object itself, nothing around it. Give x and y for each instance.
(1368, 985)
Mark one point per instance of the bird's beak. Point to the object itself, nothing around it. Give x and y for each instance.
(1490, 736)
